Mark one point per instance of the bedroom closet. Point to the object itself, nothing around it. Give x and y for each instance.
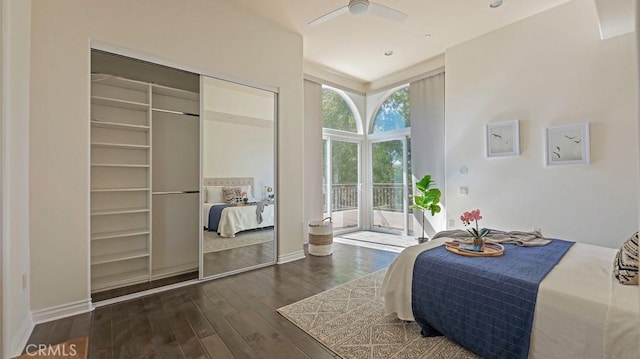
(145, 174)
(167, 145)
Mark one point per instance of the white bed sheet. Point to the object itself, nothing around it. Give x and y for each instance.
(239, 218)
(581, 309)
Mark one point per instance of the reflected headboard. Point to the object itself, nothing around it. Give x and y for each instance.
(230, 181)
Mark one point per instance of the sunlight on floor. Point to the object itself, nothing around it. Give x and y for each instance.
(377, 240)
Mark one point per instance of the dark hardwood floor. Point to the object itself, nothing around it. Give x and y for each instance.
(237, 258)
(232, 317)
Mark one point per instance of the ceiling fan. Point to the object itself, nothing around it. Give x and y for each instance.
(361, 7)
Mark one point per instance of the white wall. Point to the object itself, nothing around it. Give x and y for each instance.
(210, 35)
(232, 149)
(15, 170)
(547, 70)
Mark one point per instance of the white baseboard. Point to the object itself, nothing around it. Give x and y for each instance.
(61, 311)
(291, 257)
(19, 340)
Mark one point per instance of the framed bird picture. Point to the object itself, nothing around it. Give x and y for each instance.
(502, 139)
(567, 144)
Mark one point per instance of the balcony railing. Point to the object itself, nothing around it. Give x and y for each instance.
(386, 196)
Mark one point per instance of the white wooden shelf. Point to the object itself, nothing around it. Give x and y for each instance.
(126, 165)
(130, 105)
(117, 125)
(124, 146)
(120, 256)
(173, 92)
(117, 81)
(119, 234)
(118, 280)
(106, 212)
(129, 189)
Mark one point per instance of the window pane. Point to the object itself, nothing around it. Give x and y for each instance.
(393, 113)
(388, 192)
(336, 113)
(344, 184)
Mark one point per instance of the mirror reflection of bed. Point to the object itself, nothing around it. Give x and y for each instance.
(238, 235)
(238, 207)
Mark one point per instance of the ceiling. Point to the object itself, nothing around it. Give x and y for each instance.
(354, 46)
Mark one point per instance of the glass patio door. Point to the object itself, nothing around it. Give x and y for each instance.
(341, 182)
(391, 185)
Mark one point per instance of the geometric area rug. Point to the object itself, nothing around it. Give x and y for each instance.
(349, 320)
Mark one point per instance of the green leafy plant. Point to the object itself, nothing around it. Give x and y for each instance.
(428, 200)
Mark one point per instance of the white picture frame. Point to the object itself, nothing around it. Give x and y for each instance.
(567, 145)
(502, 139)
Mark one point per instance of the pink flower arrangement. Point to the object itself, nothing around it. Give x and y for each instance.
(243, 194)
(478, 234)
(467, 217)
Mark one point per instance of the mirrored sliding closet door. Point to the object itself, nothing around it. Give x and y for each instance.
(238, 177)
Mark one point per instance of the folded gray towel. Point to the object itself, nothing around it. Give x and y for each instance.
(524, 239)
(260, 208)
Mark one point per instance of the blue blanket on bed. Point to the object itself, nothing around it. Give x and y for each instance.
(214, 216)
(485, 304)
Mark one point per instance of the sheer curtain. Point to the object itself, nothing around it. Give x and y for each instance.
(427, 142)
(312, 189)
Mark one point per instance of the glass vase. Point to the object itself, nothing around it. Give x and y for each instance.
(478, 244)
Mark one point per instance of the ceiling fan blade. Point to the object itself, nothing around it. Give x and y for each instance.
(387, 12)
(329, 16)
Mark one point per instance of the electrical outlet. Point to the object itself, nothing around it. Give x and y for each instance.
(452, 223)
(463, 191)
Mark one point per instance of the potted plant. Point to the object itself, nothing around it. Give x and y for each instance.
(478, 234)
(428, 200)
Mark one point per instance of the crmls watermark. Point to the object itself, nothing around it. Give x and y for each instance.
(49, 350)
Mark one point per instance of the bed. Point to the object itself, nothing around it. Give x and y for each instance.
(228, 220)
(581, 311)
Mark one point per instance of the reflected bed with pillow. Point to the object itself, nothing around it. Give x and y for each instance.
(229, 210)
(573, 300)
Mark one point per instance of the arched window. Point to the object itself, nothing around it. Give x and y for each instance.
(336, 112)
(393, 114)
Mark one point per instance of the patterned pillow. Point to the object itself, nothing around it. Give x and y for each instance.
(625, 266)
(232, 194)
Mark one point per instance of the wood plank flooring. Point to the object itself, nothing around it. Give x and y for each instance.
(238, 258)
(232, 317)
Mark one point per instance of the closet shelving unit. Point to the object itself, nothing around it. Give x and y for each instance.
(120, 182)
(123, 185)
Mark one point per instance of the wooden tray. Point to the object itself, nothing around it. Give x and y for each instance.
(490, 250)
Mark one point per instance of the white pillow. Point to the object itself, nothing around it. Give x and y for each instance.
(213, 194)
(247, 189)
